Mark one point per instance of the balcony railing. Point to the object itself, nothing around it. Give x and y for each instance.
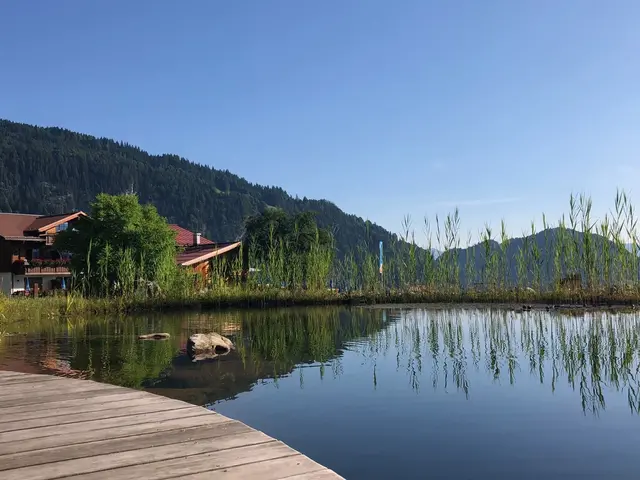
(46, 270)
(42, 266)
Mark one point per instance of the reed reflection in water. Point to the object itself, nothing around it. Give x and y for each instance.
(594, 353)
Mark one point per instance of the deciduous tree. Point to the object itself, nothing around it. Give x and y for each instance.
(121, 243)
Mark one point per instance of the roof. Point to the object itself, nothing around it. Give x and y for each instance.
(25, 238)
(184, 237)
(45, 222)
(194, 256)
(15, 226)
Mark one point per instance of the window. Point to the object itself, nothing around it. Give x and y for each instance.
(35, 253)
(62, 227)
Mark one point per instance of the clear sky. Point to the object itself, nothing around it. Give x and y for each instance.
(384, 107)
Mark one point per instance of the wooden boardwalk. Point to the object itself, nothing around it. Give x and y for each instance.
(54, 427)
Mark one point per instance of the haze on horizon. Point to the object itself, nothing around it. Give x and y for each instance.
(386, 109)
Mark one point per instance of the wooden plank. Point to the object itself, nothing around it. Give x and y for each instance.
(116, 445)
(143, 406)
(324, 474)
(69, 406)
(31, 377)
(25, 379)
(38, 444)
(46, 392)
(25, 384)
(274, 469)
(123, 459)
(58, 427)
(9, 374)
(71, 428)
(213, 463)
(61, 396)
(40, 387)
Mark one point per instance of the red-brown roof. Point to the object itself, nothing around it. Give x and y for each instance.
(23, 226)
(14, 224)
(184, 237)
(197, 255)
(44, 222)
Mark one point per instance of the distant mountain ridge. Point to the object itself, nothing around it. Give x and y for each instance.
(51, 170)
(544, 241)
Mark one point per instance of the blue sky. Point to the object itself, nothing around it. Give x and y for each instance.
(385, 108)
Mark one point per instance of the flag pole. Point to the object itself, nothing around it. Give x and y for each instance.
(381, 269)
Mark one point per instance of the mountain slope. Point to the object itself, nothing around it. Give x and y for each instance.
(52, 170)
(546, 242)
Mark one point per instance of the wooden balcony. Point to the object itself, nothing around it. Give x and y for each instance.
(40, 266)
(58, 271)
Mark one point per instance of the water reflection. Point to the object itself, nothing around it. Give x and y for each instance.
(452, 350)
(269, 345)
(593, 353)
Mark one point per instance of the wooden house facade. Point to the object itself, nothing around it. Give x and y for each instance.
(28, 259)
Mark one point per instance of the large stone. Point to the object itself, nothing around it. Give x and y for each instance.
(212, 343)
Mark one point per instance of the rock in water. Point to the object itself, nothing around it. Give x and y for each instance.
(154, 336)
(209, 342)
(201, 357)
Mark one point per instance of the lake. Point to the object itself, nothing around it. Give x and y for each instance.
(459, 393)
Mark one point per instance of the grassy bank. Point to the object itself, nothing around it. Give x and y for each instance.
(75, 305)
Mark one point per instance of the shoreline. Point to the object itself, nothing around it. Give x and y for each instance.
(17, 309)
(513, 306)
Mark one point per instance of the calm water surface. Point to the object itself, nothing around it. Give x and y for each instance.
(395, 393)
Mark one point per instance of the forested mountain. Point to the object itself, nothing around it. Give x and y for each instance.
(53, 170)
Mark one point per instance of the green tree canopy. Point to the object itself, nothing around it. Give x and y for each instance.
(290, 249)
(122, 242)
(297, 233)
